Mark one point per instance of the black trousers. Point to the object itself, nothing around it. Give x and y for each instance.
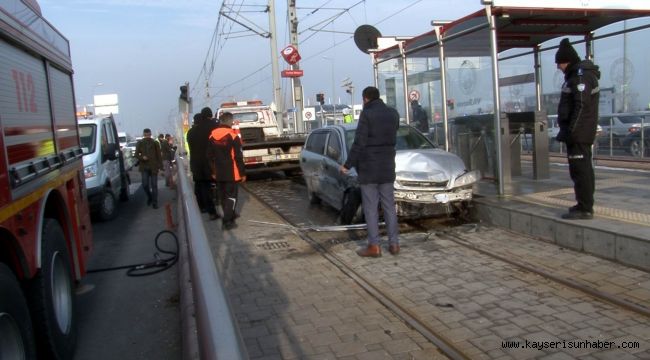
(204, 196)
(581, 170)
(228, 197)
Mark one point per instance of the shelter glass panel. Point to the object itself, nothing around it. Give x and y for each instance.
(425, 92)
(470, 99)
(391, 85)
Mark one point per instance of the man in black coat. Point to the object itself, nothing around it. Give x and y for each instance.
(577, 116)
(198, 141)
(373, 155)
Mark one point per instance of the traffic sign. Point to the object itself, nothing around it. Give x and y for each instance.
(291, 73)
(308, 114)
(414, 95)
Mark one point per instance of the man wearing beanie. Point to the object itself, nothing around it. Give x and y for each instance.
(577, 116)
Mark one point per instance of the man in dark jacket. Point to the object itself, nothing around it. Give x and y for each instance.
(197, 140)
(227, 166)
(577, 116)
(147, 150)
(420, 118)
(373, 155)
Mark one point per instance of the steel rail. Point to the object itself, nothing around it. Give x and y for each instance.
(444, 345)
(218, 333)
(594, 293)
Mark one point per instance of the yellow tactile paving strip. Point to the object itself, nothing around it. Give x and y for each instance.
(549, 198)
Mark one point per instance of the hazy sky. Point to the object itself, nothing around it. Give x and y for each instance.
(143, 50)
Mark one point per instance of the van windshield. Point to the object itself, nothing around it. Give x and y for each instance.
(87, 138)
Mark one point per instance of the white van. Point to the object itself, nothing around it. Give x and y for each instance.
(104, 170)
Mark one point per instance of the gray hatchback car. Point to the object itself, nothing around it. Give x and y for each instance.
(429, 181)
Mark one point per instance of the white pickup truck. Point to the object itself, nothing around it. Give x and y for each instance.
(265, 147)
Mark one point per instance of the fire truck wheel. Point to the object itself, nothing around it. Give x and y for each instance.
(350, 207)
(108, 206)
(52, 298)
(17, 340)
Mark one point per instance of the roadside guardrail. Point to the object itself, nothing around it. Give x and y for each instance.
(210, 329)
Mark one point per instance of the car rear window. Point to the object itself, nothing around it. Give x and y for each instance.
(246, 117)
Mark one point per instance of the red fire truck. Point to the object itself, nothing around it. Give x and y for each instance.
(45, 231)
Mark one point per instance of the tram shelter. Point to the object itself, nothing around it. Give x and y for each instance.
(500, 61)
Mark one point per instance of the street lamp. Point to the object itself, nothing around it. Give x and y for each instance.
(333, 88)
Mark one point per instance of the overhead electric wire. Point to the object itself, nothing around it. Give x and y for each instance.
(219, 38)
(351, 37)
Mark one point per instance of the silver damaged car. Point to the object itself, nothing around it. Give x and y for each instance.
(429, 181)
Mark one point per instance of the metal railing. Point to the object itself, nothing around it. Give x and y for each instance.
(217, 332)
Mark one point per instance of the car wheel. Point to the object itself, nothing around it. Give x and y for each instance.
(350, 207)
(635, 148)
(108, 206)
(292, 173)
(52, 298)
(17, 340)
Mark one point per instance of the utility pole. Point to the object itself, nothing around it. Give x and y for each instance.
(297, 86)
(277, 87)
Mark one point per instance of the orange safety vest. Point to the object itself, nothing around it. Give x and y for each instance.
(226, 137)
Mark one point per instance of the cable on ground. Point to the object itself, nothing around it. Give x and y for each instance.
(153, 267)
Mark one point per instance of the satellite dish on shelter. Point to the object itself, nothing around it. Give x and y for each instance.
(365, 36)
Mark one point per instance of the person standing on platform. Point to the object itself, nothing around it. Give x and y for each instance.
(166, 154)
(197, 140)
(227, 167)
(420, 119)
(373, 155)
(577, 117)
(147, 151)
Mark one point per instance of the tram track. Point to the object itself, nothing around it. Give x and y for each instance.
(409, 316)
(413, 320)
(594, 293)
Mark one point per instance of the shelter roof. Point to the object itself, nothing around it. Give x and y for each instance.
(517, 27)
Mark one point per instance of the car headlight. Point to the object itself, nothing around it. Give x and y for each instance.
(467, 178)
(90, 171)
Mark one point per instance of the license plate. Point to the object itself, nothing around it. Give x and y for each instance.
(281, 157)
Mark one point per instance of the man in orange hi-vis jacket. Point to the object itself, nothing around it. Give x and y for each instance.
(227, 166)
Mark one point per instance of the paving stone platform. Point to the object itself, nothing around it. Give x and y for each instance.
(620, 229)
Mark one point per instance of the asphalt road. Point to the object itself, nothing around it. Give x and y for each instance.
(122, 317)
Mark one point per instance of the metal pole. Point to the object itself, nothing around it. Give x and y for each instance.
(443, 87)
(497, 98)
(293, 101)
(277, 87)
(538, 78)
(375, 69)
(297, 86)
(407, 114)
